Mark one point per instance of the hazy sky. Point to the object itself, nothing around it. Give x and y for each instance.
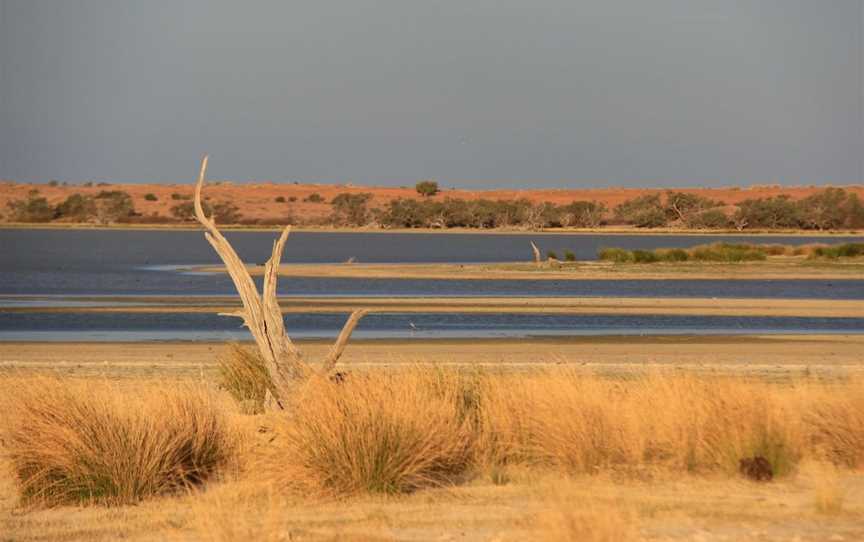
(470, 92)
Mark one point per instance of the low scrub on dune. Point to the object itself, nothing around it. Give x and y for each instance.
(382, 433)
(84, 442)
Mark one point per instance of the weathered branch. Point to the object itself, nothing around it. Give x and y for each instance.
(537, 257)
(261, 312)
(342, 341)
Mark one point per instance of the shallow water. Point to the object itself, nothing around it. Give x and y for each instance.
(212, 327)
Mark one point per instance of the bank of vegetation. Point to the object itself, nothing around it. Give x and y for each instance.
(731, 252)
(827, 210)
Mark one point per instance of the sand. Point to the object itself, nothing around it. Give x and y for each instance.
(772, 355)
(549, 305)
(773, 269)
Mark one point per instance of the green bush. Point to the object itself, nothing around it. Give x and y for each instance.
(645, 256)
(675, 255)
(151, 197)
(180, 197)
(34, 209)
(569, 256)
(314, 197)
(551, 255)
(617, 255)
(728, 252)
(846, 250)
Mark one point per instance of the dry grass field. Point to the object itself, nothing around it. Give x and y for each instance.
(419, 452)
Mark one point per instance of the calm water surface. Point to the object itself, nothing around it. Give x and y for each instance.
(201, 327)
(54, 264)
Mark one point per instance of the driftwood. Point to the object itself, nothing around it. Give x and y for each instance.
(537, 257)
(261, 312)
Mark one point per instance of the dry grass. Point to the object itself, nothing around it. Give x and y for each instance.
(381, 433)
(77, 441)
(585, 424)
(243, 374)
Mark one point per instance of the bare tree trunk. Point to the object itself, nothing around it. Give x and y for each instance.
(261, 313)
(537, 257)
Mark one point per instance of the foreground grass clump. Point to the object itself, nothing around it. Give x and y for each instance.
(585, 424)
(85, 442)
(377, 433)
(243, 374)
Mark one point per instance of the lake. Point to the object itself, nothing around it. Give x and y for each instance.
(40, 268)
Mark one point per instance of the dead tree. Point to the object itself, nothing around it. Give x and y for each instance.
(261, 312)
(537, 257)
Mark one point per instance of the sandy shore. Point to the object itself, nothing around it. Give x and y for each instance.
(555, 305)
(764, 355)
(773, 269)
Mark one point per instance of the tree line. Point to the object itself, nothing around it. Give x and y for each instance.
(828, 209)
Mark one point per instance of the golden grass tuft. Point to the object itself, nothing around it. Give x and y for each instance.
(243, 374)
(383, 433)
(85, 442)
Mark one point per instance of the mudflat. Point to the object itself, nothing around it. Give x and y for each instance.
(768, 355)
(774, 268)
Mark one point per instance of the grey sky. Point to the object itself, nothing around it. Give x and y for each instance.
(471, 92)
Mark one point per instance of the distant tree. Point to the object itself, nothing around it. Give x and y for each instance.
(427, 189)
(643, 212)
(770, 213)
(150, 197)
(682, 207)
(77, 206)
(223, 212)
(825, 210)
(113, 205)
(583, 214)
(314, 197)
(34, 209)
(709, 220)
(351, 209)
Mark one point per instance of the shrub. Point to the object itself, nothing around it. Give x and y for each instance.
(617, 255)
(292, 199)
(53, 183)
(645, 256)
(224, 212)
(181, 197)
(280, 199)
(33, 209)
(583, 214)
(79, 442)
(150, 197)
(709, 220)
(372, 433)
(427, 189)
(551, 255)
(569, 256)
(351, 209)
(770, 213)
(643, 212)
(76, 206)
(674, 255)
(314, 197)
(846, 250)
(727, 252)
(113, 205)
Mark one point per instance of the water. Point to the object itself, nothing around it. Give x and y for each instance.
(114, 262)
(47, 268)
(211, 327)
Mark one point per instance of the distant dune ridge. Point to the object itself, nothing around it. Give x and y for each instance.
(311, 204)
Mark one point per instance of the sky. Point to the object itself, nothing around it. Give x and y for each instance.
(472, 93)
